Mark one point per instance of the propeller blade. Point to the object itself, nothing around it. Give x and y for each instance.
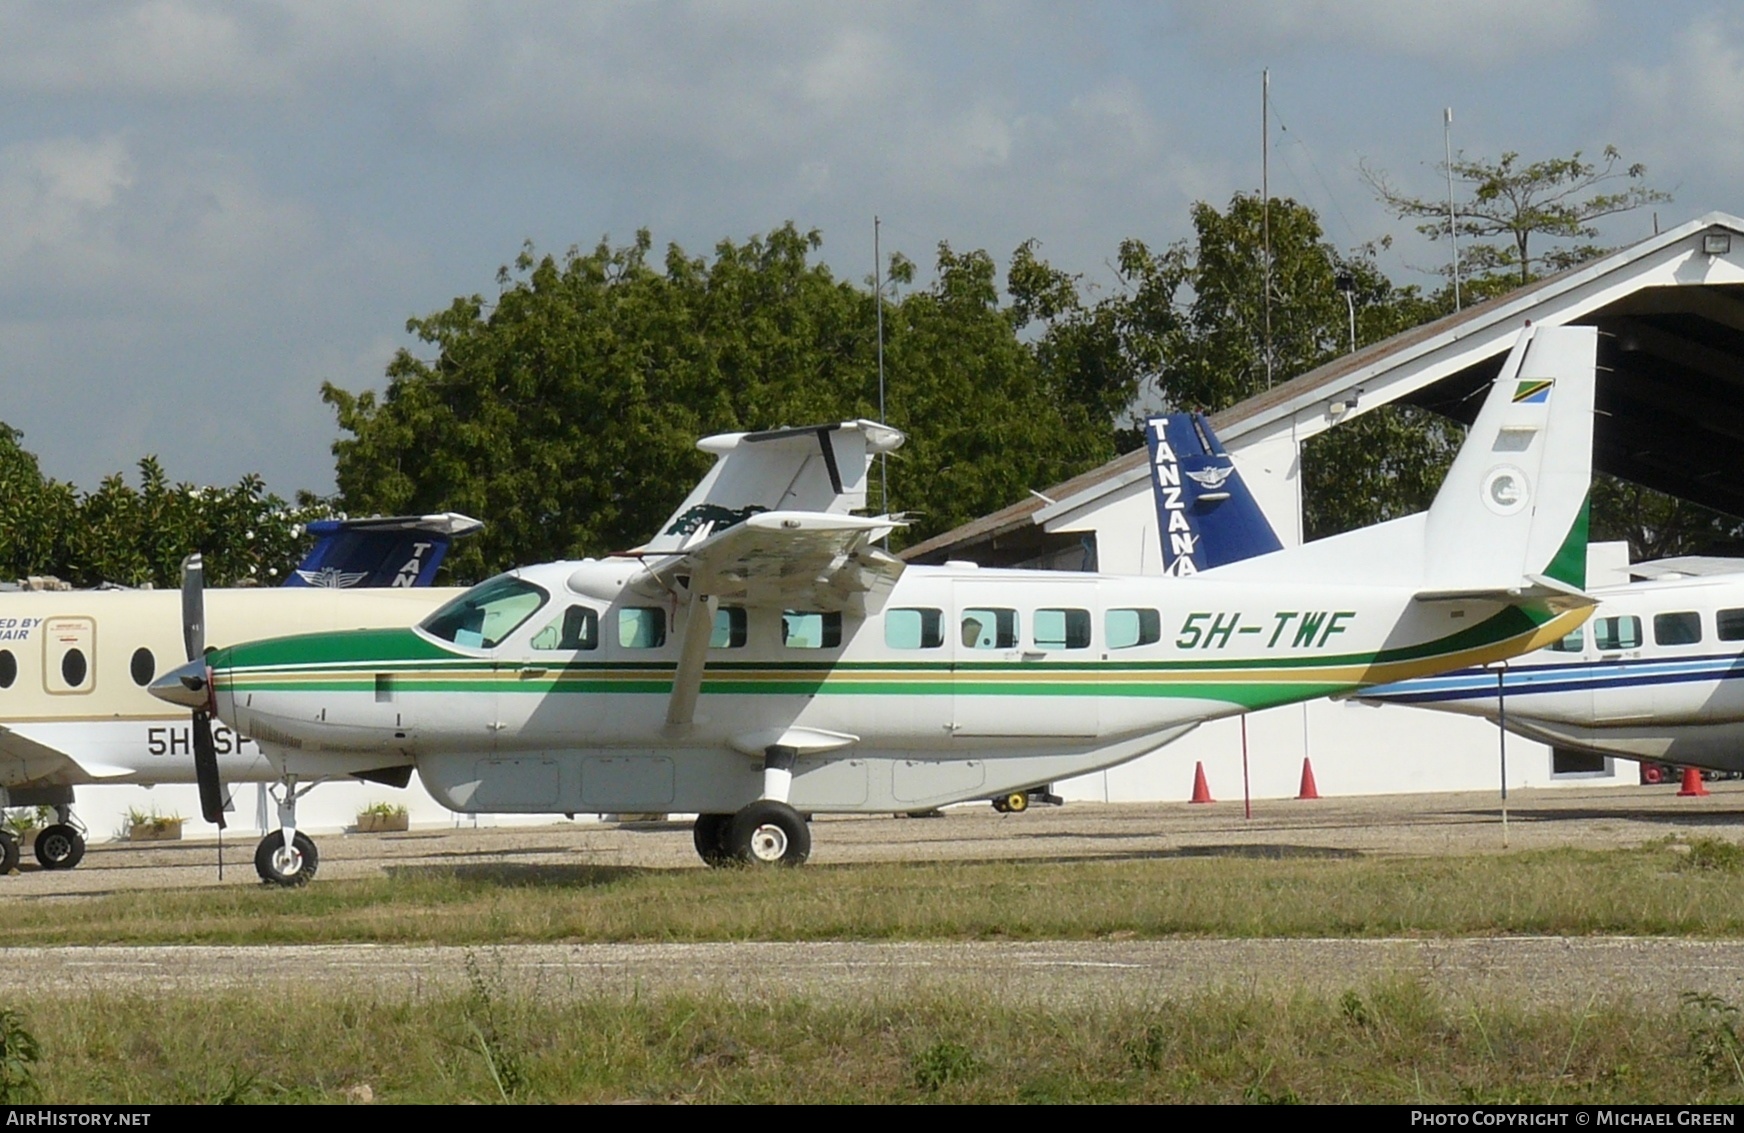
(206, 771)
(194, 605)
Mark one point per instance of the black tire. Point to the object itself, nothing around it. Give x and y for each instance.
(59, 847)
(710, 835)
(1000, 805)
(1017, 802)
(9, 853)
(275, 866)
(769, 833)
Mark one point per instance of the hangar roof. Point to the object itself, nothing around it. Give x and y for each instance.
(1670, 395)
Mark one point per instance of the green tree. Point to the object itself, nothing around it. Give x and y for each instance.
(138, 537)
(1509, 202)
(1197, 310)
(567, 410)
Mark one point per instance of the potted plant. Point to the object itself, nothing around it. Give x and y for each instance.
(381, 818)
(153, 827)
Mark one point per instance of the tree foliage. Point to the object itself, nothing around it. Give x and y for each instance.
(138, 537)
(567, 410)
(1508, 202)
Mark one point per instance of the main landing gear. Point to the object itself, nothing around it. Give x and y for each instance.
(62, 844)
(287, 856)
(769, 832)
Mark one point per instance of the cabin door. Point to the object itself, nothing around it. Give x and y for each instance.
(1023, 658)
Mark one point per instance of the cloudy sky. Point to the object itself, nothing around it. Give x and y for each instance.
(207, 209)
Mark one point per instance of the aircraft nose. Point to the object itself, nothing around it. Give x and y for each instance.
(185, 686)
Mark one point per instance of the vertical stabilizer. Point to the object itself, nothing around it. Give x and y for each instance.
(1514, 505)
(1206, 517)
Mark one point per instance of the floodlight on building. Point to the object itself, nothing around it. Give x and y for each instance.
(1716, 243)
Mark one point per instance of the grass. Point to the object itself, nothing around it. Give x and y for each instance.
(1665, 889)
(1395, 1042)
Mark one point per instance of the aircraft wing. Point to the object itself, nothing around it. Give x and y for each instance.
(27, 761)
(783, 560)
(790, 560)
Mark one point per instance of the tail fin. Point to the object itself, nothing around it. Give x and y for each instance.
(400, 550)
(1510, 520)
(819, 468)
(1513, 509)
(1205, 515)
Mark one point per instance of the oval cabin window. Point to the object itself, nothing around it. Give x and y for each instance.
(8, 668)
(73, 667)
(144, 666)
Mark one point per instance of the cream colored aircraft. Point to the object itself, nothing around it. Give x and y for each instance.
(763, 666)
(74, 666)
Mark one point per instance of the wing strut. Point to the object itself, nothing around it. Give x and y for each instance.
(699, 626)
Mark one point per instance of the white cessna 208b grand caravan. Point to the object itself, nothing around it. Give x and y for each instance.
(758, 666)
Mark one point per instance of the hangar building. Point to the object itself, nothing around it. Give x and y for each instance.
(1670, 404)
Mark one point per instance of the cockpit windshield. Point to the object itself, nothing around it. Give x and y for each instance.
(487, 613)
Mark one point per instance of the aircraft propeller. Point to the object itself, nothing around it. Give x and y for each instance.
(191, 687)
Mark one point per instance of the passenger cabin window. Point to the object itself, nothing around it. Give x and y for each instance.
(1062, 629)
(577, 629)
(8, 668)
(642, 627)
(483, 616)
(1127, 629)
(1730, 625)
(730, 629)
(801, 630)
(914, 629)
(1575, 642)
(142, 667)
(989, 629)
(1677, 629)
(1617, 633)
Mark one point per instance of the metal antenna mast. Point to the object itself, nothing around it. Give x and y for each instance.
(878, 277)
(1452, 220)
(1266, 211)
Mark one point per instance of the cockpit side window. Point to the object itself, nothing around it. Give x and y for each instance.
(577, 629)
(485, 615)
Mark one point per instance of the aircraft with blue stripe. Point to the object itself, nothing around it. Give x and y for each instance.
(1657, 674)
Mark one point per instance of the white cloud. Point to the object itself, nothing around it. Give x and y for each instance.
(1684, 111)
(1481, 33)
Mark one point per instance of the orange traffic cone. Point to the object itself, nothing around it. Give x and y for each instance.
(1201, 792)
(1693, 787)
(1307, 790)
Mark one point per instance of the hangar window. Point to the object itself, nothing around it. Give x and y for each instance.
(989, 629)
(642, 627)
(578, 628)
(143, 666)
(1062, 629)
(1730, 624)
(730, 628)
(1575, 642)
(800, 630)
(914, 629)
(487, 613)
(1677, 629)
(8, 668)
(1127, 629)
(1617, 633)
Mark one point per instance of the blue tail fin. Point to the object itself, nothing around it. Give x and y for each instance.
(400, 550)
(1205, 515)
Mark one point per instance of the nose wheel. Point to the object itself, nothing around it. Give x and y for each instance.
(285, 865)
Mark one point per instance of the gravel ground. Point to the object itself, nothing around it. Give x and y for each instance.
(1600, 818)
(1530, 969)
